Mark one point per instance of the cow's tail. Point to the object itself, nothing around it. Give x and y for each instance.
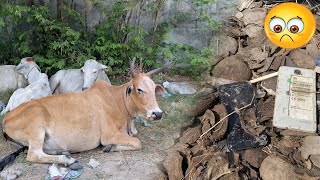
(11, 157)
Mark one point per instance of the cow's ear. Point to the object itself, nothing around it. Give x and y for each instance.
(103, 66)
(29, 59)
(160, 89)
(129, 90)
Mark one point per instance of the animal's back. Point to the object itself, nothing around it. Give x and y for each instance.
(9, 79)
(66, 81)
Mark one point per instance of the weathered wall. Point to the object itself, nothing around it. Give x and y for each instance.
(187, 32)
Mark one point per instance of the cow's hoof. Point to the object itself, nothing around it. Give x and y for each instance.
(66, 153)
(75, 166)
(108, 148)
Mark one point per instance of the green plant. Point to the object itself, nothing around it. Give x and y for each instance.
(62, 40)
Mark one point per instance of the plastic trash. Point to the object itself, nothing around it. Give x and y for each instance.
(236, 96)
(93, 163)
(62, 174)
(179, 87)
(142, 120)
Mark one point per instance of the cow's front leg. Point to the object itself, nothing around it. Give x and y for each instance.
(120, 142)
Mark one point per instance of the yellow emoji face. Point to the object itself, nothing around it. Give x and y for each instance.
(289, 25)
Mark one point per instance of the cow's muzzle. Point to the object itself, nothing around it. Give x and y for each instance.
(157, 115)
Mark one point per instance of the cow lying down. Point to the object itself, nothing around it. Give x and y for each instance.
(38, 85)
(76, 122)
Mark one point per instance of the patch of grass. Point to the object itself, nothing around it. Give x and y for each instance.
(5, 95)
(22, 158)
(176, 116)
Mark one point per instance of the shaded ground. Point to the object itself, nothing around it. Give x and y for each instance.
(143, 164)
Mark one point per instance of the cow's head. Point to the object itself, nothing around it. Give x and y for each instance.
(25, 66)
(142, 92)
(90, 72)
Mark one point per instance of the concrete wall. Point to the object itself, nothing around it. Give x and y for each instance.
(187, 32)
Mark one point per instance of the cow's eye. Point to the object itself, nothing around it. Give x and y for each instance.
(140, 91)
(95, 72)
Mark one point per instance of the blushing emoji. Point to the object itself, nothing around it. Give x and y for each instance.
(289, 25)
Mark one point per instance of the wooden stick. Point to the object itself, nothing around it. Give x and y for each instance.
(268, 76)
(221, 120)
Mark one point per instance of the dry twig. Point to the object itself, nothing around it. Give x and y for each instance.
(237, 110)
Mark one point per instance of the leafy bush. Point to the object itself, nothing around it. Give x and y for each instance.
(65, 42)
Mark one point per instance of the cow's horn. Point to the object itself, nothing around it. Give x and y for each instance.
(132, 68)
(166, 66)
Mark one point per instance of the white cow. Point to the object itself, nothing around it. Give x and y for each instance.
(38, 85)
(10, 79)
(76, 80)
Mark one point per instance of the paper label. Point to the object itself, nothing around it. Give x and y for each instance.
(301, 98)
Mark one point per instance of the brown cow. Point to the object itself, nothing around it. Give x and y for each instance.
(75, 122)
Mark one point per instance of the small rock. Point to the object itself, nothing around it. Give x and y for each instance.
(243, 4)
(302, 59)
(309, 164)
(256, 4)
(289, 62)
(258, 55)
(224, 46)
(239, 15)
(270, 83)
(310, 145)
(252, 30)
(313, 50)
(11, 176)
(275, 168)
(271, 46)
(315, 159)
(313, 172)
(206, 119)
(255, 157)
(191, 135)
(230, 176)
(179, 88)
(93, 163)
(180, 147)
(254, 16)
(10, 173)
(216, 167)
(232, 68)
(173, 165)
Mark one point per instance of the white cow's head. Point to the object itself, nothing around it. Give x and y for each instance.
(90, 72)
(26, 66)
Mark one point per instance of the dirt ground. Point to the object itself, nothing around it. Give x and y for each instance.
(143, 164)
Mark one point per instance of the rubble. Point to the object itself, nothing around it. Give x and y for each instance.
(232, 68)
(233, 136)
(310, 145)
(302, 59)
(174, 164)
(273, 167)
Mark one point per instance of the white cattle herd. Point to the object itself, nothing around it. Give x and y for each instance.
(29, 83)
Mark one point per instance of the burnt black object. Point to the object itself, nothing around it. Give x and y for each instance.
(235, 96)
